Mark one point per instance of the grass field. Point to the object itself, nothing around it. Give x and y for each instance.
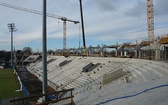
(8, 84)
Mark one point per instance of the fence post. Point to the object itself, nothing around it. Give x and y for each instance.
(71, 98)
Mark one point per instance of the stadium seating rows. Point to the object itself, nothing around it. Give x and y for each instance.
(88, 85)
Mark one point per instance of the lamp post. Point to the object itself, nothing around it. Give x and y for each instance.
(44, 46)
(11, 27)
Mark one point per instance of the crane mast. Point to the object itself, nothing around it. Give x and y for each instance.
(64, 34)
(64, 19)
(150, 20)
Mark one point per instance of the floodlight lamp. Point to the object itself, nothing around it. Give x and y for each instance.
(11, 27)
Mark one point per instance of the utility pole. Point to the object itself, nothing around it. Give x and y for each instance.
(44, 53)
(11, 27)
(83, 31)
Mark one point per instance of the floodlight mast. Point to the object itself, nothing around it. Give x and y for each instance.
(11, 27)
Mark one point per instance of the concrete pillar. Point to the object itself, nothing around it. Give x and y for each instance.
(101, 53)
(136, 53)
(140, 54)
(157, 54)
(125, 53)
(121, 53)
(136, 49)
(166, 53)
(116, 54)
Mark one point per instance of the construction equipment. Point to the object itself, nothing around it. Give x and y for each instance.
(164, 39)
(146, 43)
(64, 19)
(83, 32)
(150, 20)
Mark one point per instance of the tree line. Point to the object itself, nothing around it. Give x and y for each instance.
(6, 55)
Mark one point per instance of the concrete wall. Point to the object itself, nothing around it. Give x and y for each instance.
(113, 76)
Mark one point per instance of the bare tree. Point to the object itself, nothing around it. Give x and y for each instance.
(27, 50)
(50, 52)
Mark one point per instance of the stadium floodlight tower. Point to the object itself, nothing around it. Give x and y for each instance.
(12, 29)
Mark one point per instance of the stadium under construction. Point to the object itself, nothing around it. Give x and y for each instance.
(135, 73)
(132, 73)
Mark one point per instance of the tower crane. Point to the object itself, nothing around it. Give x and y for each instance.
(150, 20)
(64, 19)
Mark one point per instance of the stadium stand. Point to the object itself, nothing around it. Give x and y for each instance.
(132, 76)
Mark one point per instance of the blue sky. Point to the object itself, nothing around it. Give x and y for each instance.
(106, 22)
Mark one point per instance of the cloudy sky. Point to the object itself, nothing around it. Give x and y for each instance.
(106, 22)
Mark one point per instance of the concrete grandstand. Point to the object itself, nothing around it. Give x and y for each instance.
(121, 81)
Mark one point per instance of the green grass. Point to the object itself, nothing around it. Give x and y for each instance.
(8, 84)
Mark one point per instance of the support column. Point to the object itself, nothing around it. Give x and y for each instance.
(136, 49)
(136, 53)
(121, 53)
(157, 54)
(125, 53)
(116, 54)
(166, 53)
(140, 54)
